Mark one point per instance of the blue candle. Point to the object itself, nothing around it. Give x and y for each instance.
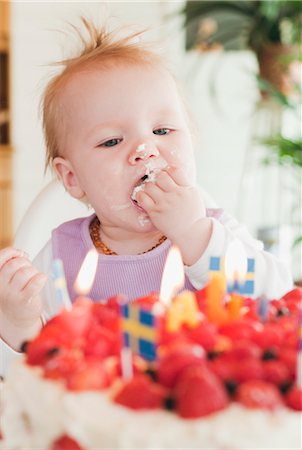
(59, 281)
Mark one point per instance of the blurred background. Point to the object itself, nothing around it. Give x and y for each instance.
(239, 65)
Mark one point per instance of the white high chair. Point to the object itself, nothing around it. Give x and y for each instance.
(53, 206)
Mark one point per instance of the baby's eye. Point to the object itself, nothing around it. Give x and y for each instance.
(161, 131)
(111, 142)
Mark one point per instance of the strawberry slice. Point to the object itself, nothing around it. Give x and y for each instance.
(91, 376)
(248, 369)
(175, 361)
(294, 398)
(276, 372)
(141, 393)
(204, 334)
(101, 342)
(199, 393)
(259, 394)
(66, 443)
(272, 336)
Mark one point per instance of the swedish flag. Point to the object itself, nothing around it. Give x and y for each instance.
(246, 287)
(139, 328)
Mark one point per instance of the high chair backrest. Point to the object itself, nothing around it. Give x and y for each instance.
(53, 206)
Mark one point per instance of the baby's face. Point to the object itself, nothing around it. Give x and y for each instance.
(122, 125)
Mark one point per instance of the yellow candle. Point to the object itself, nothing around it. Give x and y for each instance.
(183, 310)
(234, 306)
(215, 292)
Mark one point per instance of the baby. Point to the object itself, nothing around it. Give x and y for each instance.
(119, 138)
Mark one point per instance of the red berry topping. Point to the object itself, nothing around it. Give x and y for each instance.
(271, 336)
(275, 372)
(141, 393)
(199, 393)
(243, 330)
(66, 443)
(294, 398)
(259, 394)
(204, 334)
(91, 376)
(223, 368)
(173, 363)
(289, 357)
(249, 369)
(293, 295)
(243, 349)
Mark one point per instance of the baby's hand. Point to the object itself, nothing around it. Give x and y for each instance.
(20, 286)
(177, 209)
(171, 202)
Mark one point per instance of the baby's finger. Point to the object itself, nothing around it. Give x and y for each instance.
(165, 182)
(34, 285)
(8, 253)
(179, 176)
(145, 201)
(22, 276)
(11, 267)
(153, 191)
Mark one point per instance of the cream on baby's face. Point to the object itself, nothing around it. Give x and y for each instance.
(123, 125)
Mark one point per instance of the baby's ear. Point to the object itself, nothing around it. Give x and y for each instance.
(66, 174)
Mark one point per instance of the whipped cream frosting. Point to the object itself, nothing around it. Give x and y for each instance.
(39, 411)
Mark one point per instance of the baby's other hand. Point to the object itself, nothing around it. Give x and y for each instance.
(21, 284)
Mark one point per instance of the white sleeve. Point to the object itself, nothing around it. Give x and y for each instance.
(272, 276)
(43, 263)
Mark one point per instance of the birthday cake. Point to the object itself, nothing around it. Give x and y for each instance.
(117, 376)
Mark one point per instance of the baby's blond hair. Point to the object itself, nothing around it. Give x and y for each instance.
(99, 47)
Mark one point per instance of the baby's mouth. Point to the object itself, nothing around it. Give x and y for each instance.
(139, 186)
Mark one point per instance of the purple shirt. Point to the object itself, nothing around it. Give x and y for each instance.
(130, 275)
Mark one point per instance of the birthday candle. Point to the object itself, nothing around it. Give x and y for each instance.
(59, 280)
(215, 292)
(86, 275)
(263, 308)
(126, 363)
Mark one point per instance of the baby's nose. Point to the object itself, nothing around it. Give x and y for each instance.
(143, 152)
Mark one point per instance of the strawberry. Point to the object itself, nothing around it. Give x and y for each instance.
(141, 393)
(293, 295)
(244, 329)
(198, 393)
(248, 369)
(259, 394)
(66, 443)
(243, 349)
(289, 357)
(107, 316)
(276, 372)
(173, 363)
(76, 322)
(101, 342)
(271, 336)
(201, 298)
(90, 376)
(223, 368)
(293, 300)
(204, 334)
(63, 363)
(294, 398)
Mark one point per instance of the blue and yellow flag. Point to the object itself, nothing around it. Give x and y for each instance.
(139, 328)
(246, 286)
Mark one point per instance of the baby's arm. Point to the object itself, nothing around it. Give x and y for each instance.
(177, 209)
(272, 276)
(20, 302)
